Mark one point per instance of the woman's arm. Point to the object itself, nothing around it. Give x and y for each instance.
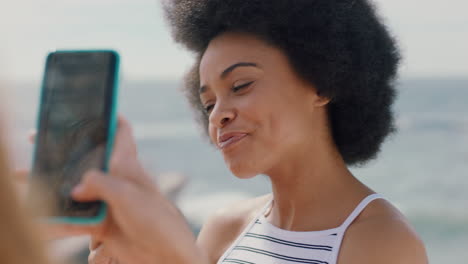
(382, 239)
(142, 226)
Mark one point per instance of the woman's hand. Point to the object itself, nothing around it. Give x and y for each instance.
(141, 226)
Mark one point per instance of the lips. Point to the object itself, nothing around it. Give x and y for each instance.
(228, 139)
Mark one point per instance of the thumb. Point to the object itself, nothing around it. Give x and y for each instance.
(96, 185)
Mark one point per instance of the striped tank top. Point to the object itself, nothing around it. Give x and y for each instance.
(264, 243)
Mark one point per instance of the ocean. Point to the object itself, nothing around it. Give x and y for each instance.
(422, 169)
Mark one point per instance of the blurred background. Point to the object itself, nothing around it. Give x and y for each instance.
(423, 169)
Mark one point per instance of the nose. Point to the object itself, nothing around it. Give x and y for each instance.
(221, 115)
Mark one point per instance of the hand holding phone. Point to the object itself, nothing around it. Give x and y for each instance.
(143, 225)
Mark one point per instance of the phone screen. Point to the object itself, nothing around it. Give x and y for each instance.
(73, 126)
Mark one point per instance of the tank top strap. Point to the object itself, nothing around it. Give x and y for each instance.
(361, 206)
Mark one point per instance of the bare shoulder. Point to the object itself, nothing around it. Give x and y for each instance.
(381, 234)
(225, 225)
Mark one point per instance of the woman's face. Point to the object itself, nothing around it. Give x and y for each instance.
(261, 113)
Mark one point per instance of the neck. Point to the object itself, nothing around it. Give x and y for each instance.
(306, 187)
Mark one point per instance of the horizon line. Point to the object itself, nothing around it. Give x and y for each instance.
(175, 80)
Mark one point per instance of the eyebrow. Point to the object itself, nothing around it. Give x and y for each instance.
(229, 70)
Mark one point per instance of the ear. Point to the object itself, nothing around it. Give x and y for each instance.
(320, 101)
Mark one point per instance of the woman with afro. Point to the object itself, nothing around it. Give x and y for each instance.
(298, 91)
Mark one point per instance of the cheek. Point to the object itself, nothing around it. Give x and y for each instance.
(281, 132)
(212, 133)
(276, 124)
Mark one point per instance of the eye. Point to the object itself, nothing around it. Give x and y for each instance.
(240, 87)
(208, 108)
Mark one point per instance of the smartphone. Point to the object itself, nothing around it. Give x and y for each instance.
(75, 129)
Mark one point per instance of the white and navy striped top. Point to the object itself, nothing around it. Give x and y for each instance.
(264, 243)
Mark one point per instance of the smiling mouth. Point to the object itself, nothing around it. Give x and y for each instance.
(231, 141)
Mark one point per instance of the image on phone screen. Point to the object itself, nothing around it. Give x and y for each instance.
(73, 126)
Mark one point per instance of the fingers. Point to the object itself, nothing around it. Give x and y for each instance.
(100, 255)
(92, 187)
(124, 145)
(99, 186)
(124, 162)
(94, 243)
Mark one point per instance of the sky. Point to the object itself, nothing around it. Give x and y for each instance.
(433, 36)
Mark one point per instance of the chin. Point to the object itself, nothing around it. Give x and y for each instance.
(244, 175)
(244, 163)
(242, 170)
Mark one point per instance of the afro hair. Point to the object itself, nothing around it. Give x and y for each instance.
(339, 46)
